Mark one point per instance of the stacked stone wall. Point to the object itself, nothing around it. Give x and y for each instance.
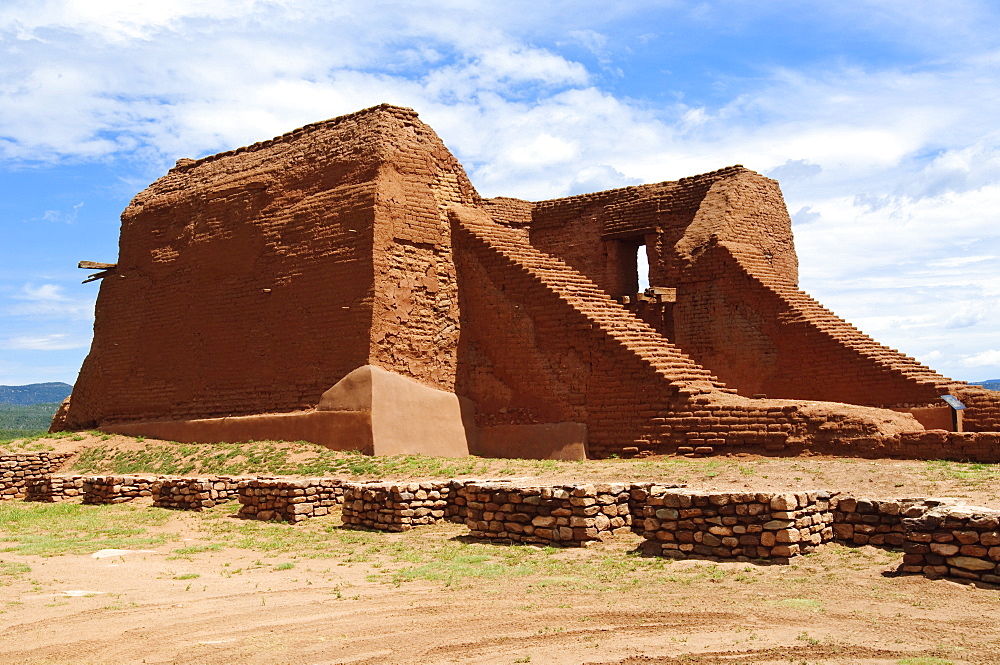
(116, 489)
(195, 493)
(291, 500)
(876, 522)
(734, 525)
(54, 488)
(20, 469)
(396, 506)
(559, 515)
(958, 542)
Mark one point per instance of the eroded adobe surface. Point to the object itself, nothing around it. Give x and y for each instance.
(251, 282)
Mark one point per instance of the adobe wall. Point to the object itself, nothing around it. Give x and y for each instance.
(763, 343)
(723, 240)
(250, 282)
(263, 276)
(542, 344)
(585, 230)
(415, 326)
(983, 408)
(244, 282)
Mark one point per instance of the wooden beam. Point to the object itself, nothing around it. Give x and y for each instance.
(98, 275)
(94, 265)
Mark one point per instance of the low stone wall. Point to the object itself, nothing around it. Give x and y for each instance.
(195, 493)
(734, 525)
(940, 538)
(877, 522)
(395, 506)
(291, 500)
(17, 470)
(959, 542)
(561, 515)
(116, 489)
(638, 494)
(54, 488)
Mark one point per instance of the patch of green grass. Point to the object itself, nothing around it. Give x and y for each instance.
(803, 604)
(259, 457)
(198, 549)
(288, 565)
(9, 435)
(923, 660)
(12, 569)
(48, 529)
(187, 576)
(966, 471)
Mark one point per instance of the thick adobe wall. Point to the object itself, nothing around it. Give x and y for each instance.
(598, 234)
(543, 344)
(739, 310)
(533, 352)
(982, 413)
(415, 322)
(720, 245)
(764, 343)
(244, 281)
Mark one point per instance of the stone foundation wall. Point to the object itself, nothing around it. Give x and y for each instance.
(116, 489)
(958, 542)
(291, 500)
(939, 537)
(561, 515)
(395, 506)
(54, 488)
(734, 525)
(874, 522)
(195, 493)
(17, 470)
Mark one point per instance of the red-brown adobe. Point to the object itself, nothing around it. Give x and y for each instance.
(251, 282)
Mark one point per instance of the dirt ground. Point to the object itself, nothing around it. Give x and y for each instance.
(216, 589)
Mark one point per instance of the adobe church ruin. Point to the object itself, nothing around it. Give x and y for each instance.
(345, 284)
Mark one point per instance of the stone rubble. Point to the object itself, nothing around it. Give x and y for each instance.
(53, 488)
(560, 515)
(956, 542)
(734, 525)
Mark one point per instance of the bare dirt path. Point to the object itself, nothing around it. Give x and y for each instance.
(353, 605)
(210, 589)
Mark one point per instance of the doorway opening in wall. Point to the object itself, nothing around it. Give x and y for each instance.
(628, 268)
(642, 267)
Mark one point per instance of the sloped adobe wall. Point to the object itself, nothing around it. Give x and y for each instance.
(727, 317)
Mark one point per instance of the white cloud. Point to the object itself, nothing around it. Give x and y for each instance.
(49, 301)
(53, 342)
(893, 169)
(990, 358)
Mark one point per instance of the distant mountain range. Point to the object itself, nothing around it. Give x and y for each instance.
(35, 393)
(992, 384)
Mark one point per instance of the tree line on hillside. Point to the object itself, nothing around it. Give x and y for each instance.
(35, 393)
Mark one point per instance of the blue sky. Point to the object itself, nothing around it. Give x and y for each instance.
(880, 120)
